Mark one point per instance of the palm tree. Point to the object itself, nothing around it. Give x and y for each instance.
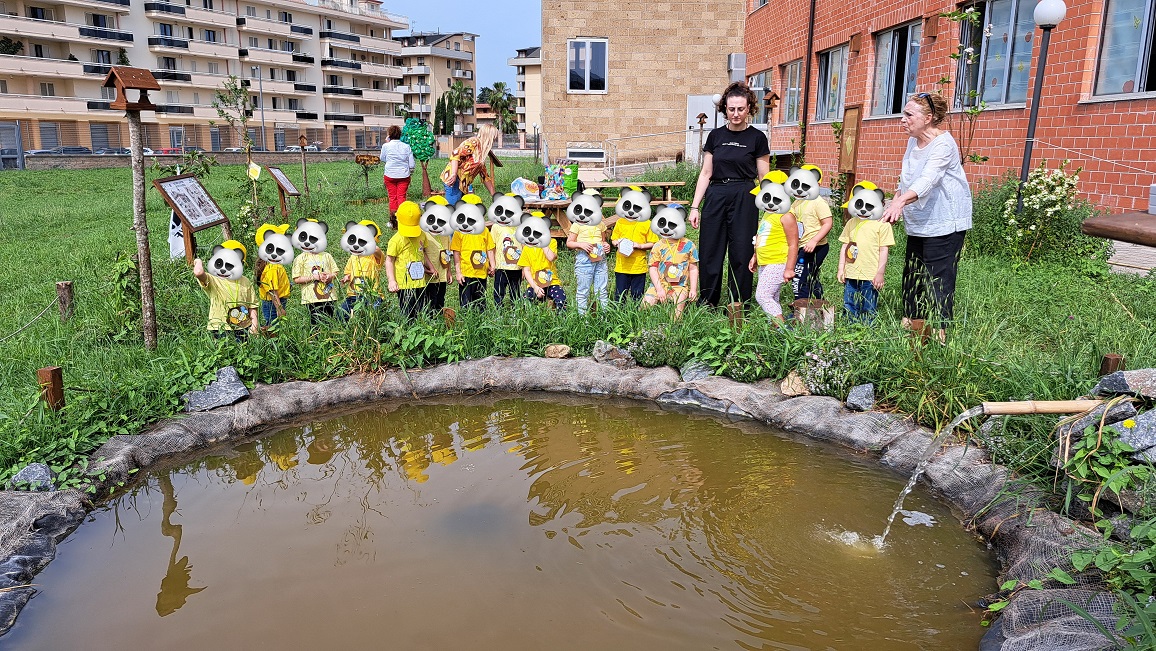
(500, 98)
(507, 122)
(458, 98)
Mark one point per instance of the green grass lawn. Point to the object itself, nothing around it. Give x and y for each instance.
(1024, 331)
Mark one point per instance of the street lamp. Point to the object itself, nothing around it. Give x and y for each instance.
(1047, 15)
(256, 70)
(716, 98)
(535, 142)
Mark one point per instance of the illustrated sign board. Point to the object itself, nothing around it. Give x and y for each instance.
(193, 205)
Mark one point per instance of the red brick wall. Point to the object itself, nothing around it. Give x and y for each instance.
(1107, 138)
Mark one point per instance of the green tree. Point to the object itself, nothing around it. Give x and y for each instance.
(458, 98)
(500, 98)
(507, 121)
(9, 46)
(484, 94)
(439, 123)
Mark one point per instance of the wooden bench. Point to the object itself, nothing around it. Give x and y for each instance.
(555, 210)
(667, 187)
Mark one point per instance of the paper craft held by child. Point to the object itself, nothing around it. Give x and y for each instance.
(633, 239)
(407, 260)
(436, 222)
(473, 249)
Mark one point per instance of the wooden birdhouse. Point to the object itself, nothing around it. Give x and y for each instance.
(124, 79)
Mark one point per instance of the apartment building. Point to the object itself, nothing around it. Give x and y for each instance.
(431, 63)
(528, 88)
(316, 68)
(1096, 105)
(622, 69)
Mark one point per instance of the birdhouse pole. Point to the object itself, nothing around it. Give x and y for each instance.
(123, 79)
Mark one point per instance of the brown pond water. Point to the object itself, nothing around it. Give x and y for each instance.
(535, 522)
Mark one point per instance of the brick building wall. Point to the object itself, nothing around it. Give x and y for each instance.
(657, 54)
(1113, 139)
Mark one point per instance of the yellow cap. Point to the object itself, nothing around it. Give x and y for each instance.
(408, 214)
(472, 198)
(774, 176)
(372, 224)
(265, 229)
(866, 185)
(439, 199)
(236, 246)
(815, 169)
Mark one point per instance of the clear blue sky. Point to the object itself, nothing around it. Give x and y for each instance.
(501, 28)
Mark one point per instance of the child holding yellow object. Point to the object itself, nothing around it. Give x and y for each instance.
(863, 258)
(436, 222)
(407, 260)
(364, 266)
(274, 251)
(539, 260)
(232, 300)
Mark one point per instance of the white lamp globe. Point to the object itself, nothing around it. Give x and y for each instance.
(716, 98)
(1049, 13)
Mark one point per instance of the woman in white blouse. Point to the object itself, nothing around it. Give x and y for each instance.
(399, 164)
(934, 202)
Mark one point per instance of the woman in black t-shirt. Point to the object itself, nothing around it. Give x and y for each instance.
(733, 158)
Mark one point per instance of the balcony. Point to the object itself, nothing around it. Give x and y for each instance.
(301, 29)
(524, 61)
(64, 107)
(168, 43)
(381, 70)
(18, 26)
(98, 69)
(520, 94)
(418, 108)
(463, 74)
(205, 79)
(365, 11)
(343, 117)
(304, 88)
(306, 115)
(382, 95)
(339, 36)
(210, 17)
(275, 57)
(416, 89)
(382, 120)
(273, 86)
(116, 6)
(429, 50)
(42, 67)
(263, 26)
(172, 75)
(163, 9)
(379, 44)
(415, 70)
(521, 110)
(276, 115)
(521, 126)
(341, 63)
(212, 49)
(341, 90)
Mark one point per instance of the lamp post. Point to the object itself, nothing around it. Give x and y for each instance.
(535, 142)
(1047, 15)
(716, 98)
(256, 70)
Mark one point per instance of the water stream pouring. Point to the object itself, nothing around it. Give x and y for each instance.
(1020, 408)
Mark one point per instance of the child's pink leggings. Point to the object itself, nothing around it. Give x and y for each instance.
(770, 284)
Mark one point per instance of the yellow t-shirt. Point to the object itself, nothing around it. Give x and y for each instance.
(811, 213)
(408, 254)
(440, 255)
(639, 233)
(232, 303)
(475, 251)
(543, 271)
(363, 272)
(866, 237)
(316, 292)
(771, 240)
(587, 234)
(507, 247)
(274, 280)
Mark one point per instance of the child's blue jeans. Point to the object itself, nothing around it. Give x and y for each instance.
(589, 273)
(269, 311)
(860, 299)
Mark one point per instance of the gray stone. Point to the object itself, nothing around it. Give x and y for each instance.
(1142, 437)
(227, 389)
(861, 398)
(606, 353)
(1141, 382)
(1119, 411)
(694, 370)
(34, 477)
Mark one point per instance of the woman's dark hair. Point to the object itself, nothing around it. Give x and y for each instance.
(934, 104)
(394, 132)
(737, 89)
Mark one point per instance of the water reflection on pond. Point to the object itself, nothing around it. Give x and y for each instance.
(529, 522)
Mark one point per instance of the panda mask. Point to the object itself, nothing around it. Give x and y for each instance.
(803, 183)
(469, 217)
(360, 238)
(226, 263)
(437, 217)
(634, 204)
(273, 246)
(669, 222)
(506, 209)
(533, 230)
(771, 196)
(310, 235)
(585, 208)
(866, 201)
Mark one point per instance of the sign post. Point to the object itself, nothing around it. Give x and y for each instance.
(285, 188)
(192, 203)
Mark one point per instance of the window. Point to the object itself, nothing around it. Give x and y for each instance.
(40, 13)
(196, 98)
(269, 14)
(3, 87)
(334, 80)
(209, 35)
(272, 44)
(896, 66)
(98, 20)
(447, 64)
(997, 54)
(39, 51)
(49, 135)
(214, 68)
(421, 80)
(335, 106)
(251, 11)
(254, 42)
(164, 29)
(421, 61)
(107, 93)
(1128, 49)
(207, 4)
(759, 84)
(172, 96)
(328, 24)
(290, 75)
(167, 63)
(47, 89)
(192, 65)
(377, 85)
(102, 56)
(276, 103)
(294, 104)
(457, 47)
(272, 73)
(284, 16)
(587, 65)
(98, 132)
(832, 84)
(288, 46)
(760, 3)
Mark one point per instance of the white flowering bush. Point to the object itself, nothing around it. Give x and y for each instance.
(826, 370)
(1049, 224)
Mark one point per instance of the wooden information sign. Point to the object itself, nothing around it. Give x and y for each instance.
(193, 205)
(285, 188)
(849, 150)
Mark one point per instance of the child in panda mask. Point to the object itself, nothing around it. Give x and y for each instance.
(815, 221)
(633, 239)
(673, 261)
(437, 224)
(314, 269)
(539, 260)
(363, 269)
(274, 251)
(473, 249)
(232, 299)
(776, 242)
(504, 214)
(587, 235)
(863, 258)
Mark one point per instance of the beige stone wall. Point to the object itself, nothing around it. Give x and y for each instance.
(533, 98)
(658, 53)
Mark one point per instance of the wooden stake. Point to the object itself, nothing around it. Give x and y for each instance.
(51, 380)
(303, 141)
(64, 294)
(1111, 363)
(735, 316)
(140, 225)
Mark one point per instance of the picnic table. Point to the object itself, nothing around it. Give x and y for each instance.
(555, 209)
(667, 187)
